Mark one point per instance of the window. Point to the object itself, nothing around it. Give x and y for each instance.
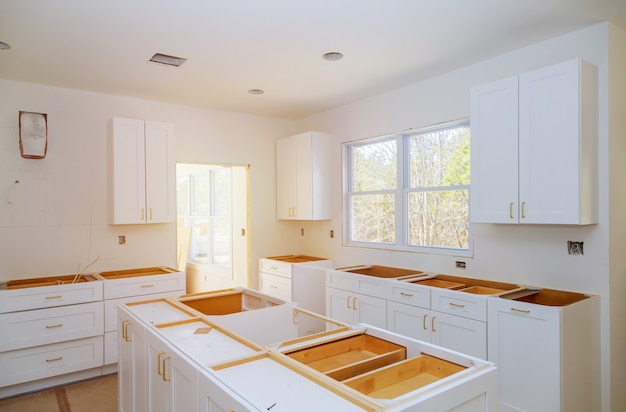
(203, 196)
(410, 190)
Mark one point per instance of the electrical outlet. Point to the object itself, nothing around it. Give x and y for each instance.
(575, 248)
(121, 240)
(460, 264)
(332, 234)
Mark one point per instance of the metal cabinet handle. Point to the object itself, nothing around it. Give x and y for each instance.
(125, 334)
(523, 210)
(424, 322)
(164, 378)
(143, 214)
(150, 285)
(432, 323)
(456, 305)
(159, 371)
(54, 297)
(354, 303)
(55, 359)
(150, 213)
(511, 210)
(520, 310)
(348, 302)
(406, 294)
(58, 325)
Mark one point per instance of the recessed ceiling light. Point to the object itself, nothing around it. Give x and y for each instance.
(256, 91)
(4, 46)
(167, 59)
(332, 56)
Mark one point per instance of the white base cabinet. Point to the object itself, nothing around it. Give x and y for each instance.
(547, 356)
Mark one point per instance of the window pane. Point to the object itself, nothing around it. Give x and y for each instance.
(199, 247)
(373, 218)
(221, 189)
(221, 242)
(375, 166)
(440, 158)
(182, 195)
(200, 199)
(439, 218)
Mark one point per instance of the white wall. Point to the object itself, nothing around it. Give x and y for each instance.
(524, 254)
(55, 218)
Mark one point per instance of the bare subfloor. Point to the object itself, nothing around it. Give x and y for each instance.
(94, 395)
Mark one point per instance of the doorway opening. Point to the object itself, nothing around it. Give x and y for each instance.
(212, 209)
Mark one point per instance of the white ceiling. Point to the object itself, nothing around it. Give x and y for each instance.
(275, 45)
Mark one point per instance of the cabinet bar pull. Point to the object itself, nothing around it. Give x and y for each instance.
(348, 302)
(150, 285)
(142, 214)
(125, 325)
(58, 325)
(456, 305)
(55, 359)
(164, 378)
(273, 268)
(523, 210)
(424, 322)
(406, 294)
(273, 287)
(159, 363)
(520, 310)
(432, 323)
(54, 297)
(354, 303)
(150, 213)
(511, 210)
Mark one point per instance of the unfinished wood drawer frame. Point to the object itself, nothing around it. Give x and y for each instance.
(403, 377)
(347, 357)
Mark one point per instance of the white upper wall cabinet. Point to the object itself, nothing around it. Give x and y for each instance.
(303, 177)
(142, 172)
(534, 147)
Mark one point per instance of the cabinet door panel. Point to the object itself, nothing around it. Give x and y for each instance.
(286, 178)
(339, 305)
(160, 175)
(494, 157)
(549, 146)
(128, 169)
(524, 343)
(464, 335)
(370, 310)
(408, 320)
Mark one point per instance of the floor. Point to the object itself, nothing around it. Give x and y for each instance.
(94, 395)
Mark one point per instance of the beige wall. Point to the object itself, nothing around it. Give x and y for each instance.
(55, 218)
(525, 254)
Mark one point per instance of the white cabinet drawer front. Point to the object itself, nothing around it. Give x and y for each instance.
(44, 326)
(408, 294)
(51, 360)
(143, 285)
(460, 304)
(277, 286)
(110, 306)
(338, 279)
(49, 296)
(110, 347)
(275, 266)
(370, 285)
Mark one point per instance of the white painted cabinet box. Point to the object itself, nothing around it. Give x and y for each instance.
(534, 147)
(272, 362)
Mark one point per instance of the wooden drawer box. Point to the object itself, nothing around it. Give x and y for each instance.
(344, 358)
(27, 294)
(43, 326)
(40, 362)
(403, 377)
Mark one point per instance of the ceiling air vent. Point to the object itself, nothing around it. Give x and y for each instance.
(168, 60)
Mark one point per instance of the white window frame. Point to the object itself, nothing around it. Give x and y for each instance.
(401, 194)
